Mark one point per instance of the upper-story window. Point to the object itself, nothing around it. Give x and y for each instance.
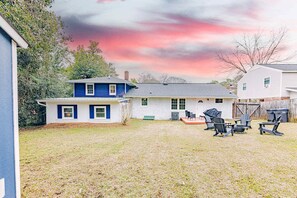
(112, 90)
(90, 89)
(266, 82)
(244, 86)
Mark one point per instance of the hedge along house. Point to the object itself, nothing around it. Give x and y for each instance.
(10, 39)
(95, 100)
(108, 99)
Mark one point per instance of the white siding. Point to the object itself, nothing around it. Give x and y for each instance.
(83, 114)
(293, 95)
(288, 80)
(254, 80)
(161, 107)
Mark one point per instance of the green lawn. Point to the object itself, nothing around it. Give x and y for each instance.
(157, 159)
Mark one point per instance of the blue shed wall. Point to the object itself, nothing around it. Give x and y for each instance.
(101, 90)
(7, 156)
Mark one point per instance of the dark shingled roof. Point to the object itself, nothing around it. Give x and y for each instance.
(102, 80)
(185, 90)
(282, 67)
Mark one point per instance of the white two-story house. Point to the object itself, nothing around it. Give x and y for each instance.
(268, 82)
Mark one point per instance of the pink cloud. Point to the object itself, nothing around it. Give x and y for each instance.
(128, 45)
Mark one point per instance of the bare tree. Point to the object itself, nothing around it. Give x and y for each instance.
(171, 79)
(255, 49)
(147, 78)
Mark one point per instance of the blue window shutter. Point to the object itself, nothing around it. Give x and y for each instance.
(91, 111)
(59, 111)
(107, 111)
(75, 111)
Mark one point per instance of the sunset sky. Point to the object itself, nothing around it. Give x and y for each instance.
(176, 37)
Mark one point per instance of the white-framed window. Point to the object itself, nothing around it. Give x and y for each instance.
(90, 89)
(178, 104)
(219, 100)
(182, 104)
(100, 112)
(67, 112)
(174, 103)
(112, 89)
(144, 101)
(266, 82)
(244, 86)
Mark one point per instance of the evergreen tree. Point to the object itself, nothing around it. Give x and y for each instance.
(89, 63)
(40, 67)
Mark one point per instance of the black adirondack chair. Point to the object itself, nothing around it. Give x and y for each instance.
(187, 113)
(209, 115)
(192, 115)
(222, 128)
(244, 122)
(273, 131)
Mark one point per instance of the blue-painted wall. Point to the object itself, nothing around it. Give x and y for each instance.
(7, 162)
(92, 108)
(101, 90)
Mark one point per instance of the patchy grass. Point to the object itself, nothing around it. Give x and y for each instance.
(156, 159)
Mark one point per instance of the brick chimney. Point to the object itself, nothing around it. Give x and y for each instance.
(126, 75)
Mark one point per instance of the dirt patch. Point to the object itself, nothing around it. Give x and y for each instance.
(80, 125)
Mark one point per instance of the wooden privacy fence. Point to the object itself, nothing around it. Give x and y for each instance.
(252, 109)
(259, 110)
(290, 104)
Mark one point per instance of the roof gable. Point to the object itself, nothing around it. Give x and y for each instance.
(14, 35)
(113, 80)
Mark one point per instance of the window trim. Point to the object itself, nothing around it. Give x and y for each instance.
(93, 85)
(146, 102)
(268, 85)
(115, 89)
(95, 113)
(63, 112)
(179, 103)
(176, 103)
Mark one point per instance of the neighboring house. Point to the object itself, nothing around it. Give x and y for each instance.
(105, 100)
(10, 39)
(268, 82)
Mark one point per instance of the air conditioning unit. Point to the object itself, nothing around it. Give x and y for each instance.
(174, 115)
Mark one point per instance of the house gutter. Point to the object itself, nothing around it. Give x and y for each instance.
(41, 104)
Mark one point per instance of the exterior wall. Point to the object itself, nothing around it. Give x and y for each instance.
(9, 175)
(83, 113)
(254, 80)
(293, 95)
(101, 90)
(288, 80)
(161, 107)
